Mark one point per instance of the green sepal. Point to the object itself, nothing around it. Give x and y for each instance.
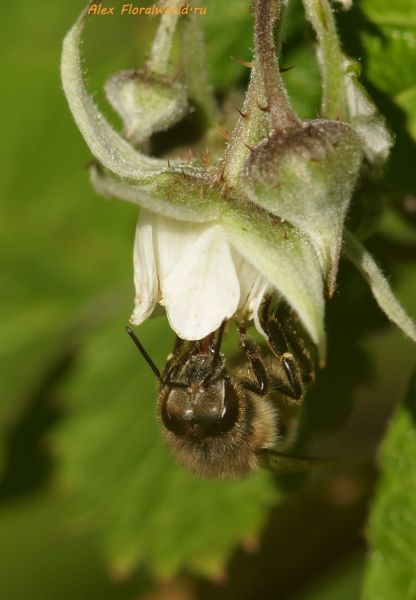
(169, 195)
(365, 263)
(307, 177)
(109, 148)
(287, 260)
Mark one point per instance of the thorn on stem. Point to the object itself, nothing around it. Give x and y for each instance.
(338, 115)
(318, 116)
(242, 62)
(285, 69)
(223, 132)
(92, 163)
(264, 108)
(244, 115)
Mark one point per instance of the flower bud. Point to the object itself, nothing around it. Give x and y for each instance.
(364, 116)
(306, 177)
(146, 103)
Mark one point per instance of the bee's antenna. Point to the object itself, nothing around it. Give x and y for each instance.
(176, 384)
(144, 353)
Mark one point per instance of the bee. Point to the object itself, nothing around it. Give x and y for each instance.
(224, 423)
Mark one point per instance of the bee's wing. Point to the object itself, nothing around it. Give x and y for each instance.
(284, 463)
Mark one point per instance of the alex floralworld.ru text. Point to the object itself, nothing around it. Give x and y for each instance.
(129, 9)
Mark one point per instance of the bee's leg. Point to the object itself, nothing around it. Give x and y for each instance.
(279, 346)
(261, 387)
(295, 335)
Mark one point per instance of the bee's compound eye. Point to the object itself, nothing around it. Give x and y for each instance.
(214, 414)
(229, 413)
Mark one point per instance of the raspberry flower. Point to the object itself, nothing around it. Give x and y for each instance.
(267, 217)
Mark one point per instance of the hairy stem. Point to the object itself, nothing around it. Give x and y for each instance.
(282, 116)
(330, 59)
(158, 61)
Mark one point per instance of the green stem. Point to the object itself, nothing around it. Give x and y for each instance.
(250, 129)
(282, 115)
(265, 90)
(194, 66)
(330, 59)
(158, 61)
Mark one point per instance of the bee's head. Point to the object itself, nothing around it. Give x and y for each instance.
(214, 427)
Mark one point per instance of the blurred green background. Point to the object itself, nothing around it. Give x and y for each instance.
(91, 504)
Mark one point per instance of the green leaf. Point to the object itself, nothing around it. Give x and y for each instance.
(225, 42)
(36, 562)
(407, 101)
(392, 52)
(303, 81)
(126, 484)
(343, 582)
(400, 13)
(391, 571)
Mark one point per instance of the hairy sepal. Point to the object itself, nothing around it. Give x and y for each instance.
(287, 260)
(107, 145)
(307, 177)
(169, 195)
(365, 263)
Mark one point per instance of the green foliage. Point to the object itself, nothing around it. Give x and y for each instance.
(342, 583)
(147, 507)
(53, 563)
(392, 564)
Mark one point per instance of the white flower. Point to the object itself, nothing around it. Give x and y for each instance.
(212, 241)
(194, 272)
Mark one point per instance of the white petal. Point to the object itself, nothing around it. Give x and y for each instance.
(145, 276)
(201, 288)
(172, 239)
(257, 302)
(252, 283)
